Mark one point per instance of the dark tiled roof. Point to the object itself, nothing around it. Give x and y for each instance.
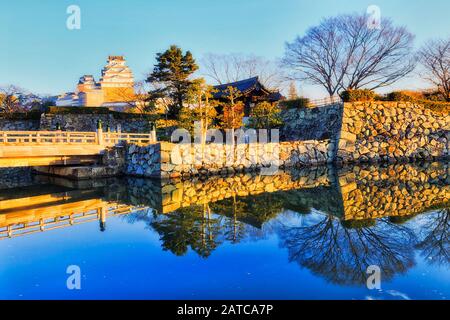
(276, 96)
(244, 86)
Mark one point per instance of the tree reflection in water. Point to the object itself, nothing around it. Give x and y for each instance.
(341, 253)
(435, 238)
(188, 227)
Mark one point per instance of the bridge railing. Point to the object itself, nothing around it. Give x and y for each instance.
(64, 220)
(72, 137)
(47, 137)
(113, 138)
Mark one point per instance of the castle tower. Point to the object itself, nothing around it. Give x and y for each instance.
(117, 81)
(86, 83)
(114, 90)
(89, 92)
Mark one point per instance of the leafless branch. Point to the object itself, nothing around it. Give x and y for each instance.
(434, 57)
(343, 53)
(234, 67)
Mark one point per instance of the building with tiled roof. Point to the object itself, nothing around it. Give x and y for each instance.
(251, 92)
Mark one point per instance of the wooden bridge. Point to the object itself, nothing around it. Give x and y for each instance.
(44, 148)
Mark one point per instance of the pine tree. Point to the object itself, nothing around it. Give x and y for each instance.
(202, 106)
(173, 69)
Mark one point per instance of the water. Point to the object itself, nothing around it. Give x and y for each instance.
(308, 234)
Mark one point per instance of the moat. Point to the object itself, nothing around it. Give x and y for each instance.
(300, 234)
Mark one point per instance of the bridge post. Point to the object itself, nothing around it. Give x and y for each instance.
(102, 213)
(99, 132)
(153, 132)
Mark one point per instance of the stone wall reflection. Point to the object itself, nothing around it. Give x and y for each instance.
(179, 193)
(353, 193)
(396, 190)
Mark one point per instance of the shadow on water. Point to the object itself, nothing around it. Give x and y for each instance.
(334, 222)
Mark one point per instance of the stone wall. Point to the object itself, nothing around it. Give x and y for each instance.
(76, 122)
(88, 122)
(168, 160)
(392, 131)
(143, 161)
(15, 177)
(19, 125)
(317, 123)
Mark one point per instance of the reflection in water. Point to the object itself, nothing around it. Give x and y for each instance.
(435, 242)
(188, 227)
(342, 253)
(333, 222)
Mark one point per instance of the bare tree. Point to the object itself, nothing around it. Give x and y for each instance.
(435, 244)
(434, 57)
(9, 99)
(225, 68)
(343, 53)
(136, 97)
(341, 255)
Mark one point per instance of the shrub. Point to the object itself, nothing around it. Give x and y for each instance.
(408, 96)
(358, 224)
(425, 100)
(358, 95)
(265, 115)
(295, 103)
(437, 106)
(401, 219)
(127, 115)
(77, 110)
(100, 110)
(433, 95)
(379, 97)
(32, 115)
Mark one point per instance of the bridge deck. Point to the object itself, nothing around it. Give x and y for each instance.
(43, 148)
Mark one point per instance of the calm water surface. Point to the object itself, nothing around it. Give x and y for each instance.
(308, 234)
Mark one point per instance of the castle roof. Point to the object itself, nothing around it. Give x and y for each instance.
(87, 78)
(119, 58)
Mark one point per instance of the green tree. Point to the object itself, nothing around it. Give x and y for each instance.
(265, 115)
(172, 70)
(200, 106)
(233, 110)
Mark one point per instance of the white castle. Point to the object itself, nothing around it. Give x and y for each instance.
(114, 90)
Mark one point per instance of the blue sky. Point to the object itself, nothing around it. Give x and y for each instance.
(39, 53)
